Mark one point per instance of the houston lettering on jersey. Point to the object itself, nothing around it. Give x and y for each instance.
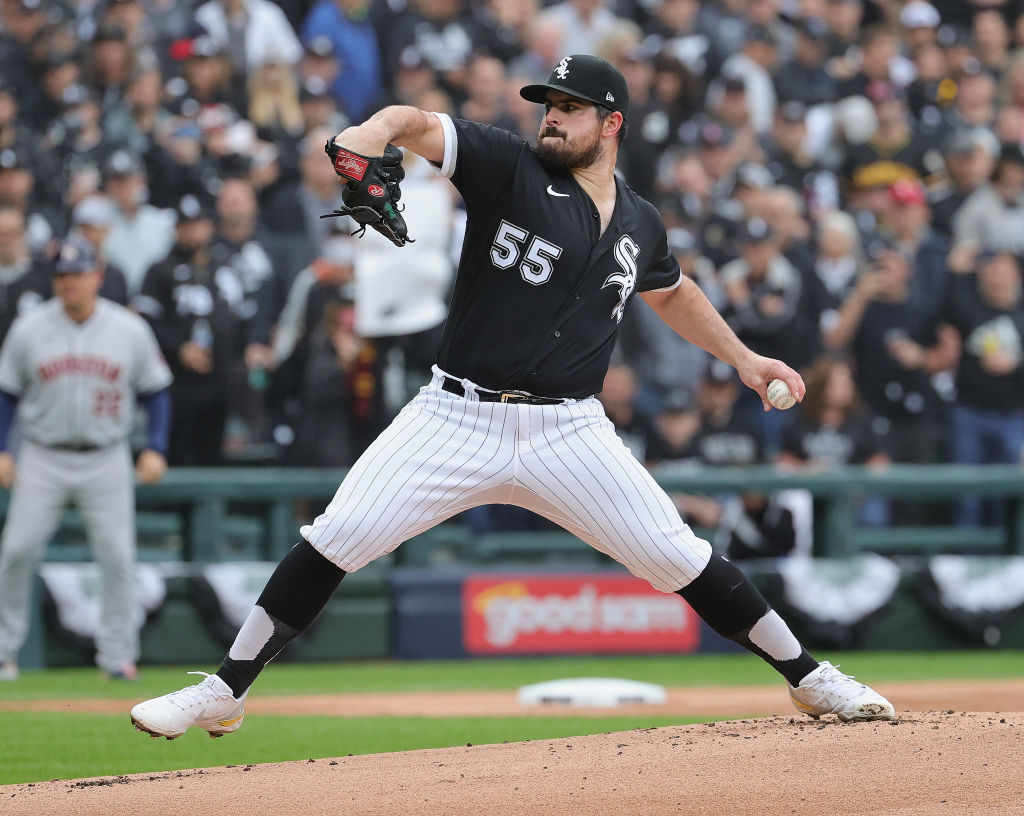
(84, 364)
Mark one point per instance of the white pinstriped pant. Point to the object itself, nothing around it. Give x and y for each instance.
(444, 454)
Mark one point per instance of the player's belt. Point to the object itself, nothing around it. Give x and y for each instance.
(453, 386)
(77, 448)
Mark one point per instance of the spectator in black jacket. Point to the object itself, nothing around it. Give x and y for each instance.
(986, 308)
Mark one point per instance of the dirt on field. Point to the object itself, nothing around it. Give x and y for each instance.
(956, 750)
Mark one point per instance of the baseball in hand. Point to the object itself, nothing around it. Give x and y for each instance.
(780, 396)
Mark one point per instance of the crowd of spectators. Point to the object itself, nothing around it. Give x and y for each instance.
(843, 178)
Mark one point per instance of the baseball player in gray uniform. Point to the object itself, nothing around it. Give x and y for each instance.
(555, 249)
(73, 368)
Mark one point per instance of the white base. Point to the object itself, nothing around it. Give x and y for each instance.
(596, 692)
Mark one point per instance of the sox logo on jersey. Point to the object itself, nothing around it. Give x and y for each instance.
(626, 252)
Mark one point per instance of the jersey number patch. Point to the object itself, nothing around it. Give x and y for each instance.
(536, 266)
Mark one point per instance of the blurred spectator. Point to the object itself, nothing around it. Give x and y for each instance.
(141, 234)
(438, 32)
(249, 32)
(897, 347)
(193, 307)
(753, 67)
(764, 293)
(985, 306)
(906, 223)
(584, 23)
(24, 280)
(992, 216)
(243, 248)
(666, 365)
(485, 92)
(108, 63)
(895, 151)
(23, 21)
(292, 209)
(991, 38)
(18, 189)
(619, 398)
(402, 294)
(92, 219)
(837, 267)
(968, 159)
(358, 83)
(833, 428)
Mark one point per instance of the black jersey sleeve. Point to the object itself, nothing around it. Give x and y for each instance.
(478, 159)
(663, 273)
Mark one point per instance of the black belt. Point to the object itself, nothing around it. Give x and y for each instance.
(453, 386)
(80, 448)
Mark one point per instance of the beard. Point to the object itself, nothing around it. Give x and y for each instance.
(559, 155)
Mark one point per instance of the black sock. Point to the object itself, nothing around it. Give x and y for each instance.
(724, 597)
(295, 594)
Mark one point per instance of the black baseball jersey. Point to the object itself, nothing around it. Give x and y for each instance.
(540, 292)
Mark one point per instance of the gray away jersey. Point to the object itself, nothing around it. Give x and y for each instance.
(77, 383)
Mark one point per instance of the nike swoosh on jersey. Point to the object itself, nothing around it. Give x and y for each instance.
(551, 192)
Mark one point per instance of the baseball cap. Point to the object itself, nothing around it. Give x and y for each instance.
(94, 211)
(110, 32)
(122, 163)
(919, 15)
(585, 77)
(193, 207)
(907, 192)
(75, 255)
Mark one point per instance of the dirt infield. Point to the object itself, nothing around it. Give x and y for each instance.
(953, 761)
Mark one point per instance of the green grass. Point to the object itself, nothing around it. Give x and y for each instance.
(509, 673)
(36, 746)
(40, 746)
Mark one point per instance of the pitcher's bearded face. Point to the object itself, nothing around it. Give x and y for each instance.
(570, 135)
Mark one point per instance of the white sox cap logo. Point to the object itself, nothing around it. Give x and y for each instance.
(562, 69)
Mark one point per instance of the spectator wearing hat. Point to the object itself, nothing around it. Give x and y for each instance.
(985, 307)
(878, 60)
(893, 153)
(907, 224)
(789, 160)
(249, 33)
(968, 157)
(319, 60)
(318, 108)
(141, 233)
(358, 83)
(754, 66)
(18, 189)
(16, 134)
(919, 23)
(196, 311)
(764, 292)
(24, 279)
(23, 22)
(92, 219)
(805, 78)
(992, 217)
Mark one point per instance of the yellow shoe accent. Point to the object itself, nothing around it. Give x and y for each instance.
(226, 723)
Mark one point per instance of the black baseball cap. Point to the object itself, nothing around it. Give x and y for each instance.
(585, 77)
(74, 256)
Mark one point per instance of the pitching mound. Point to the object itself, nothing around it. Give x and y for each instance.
(955, 764)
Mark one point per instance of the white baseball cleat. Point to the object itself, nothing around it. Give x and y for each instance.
(208, 705)
(826, 690)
